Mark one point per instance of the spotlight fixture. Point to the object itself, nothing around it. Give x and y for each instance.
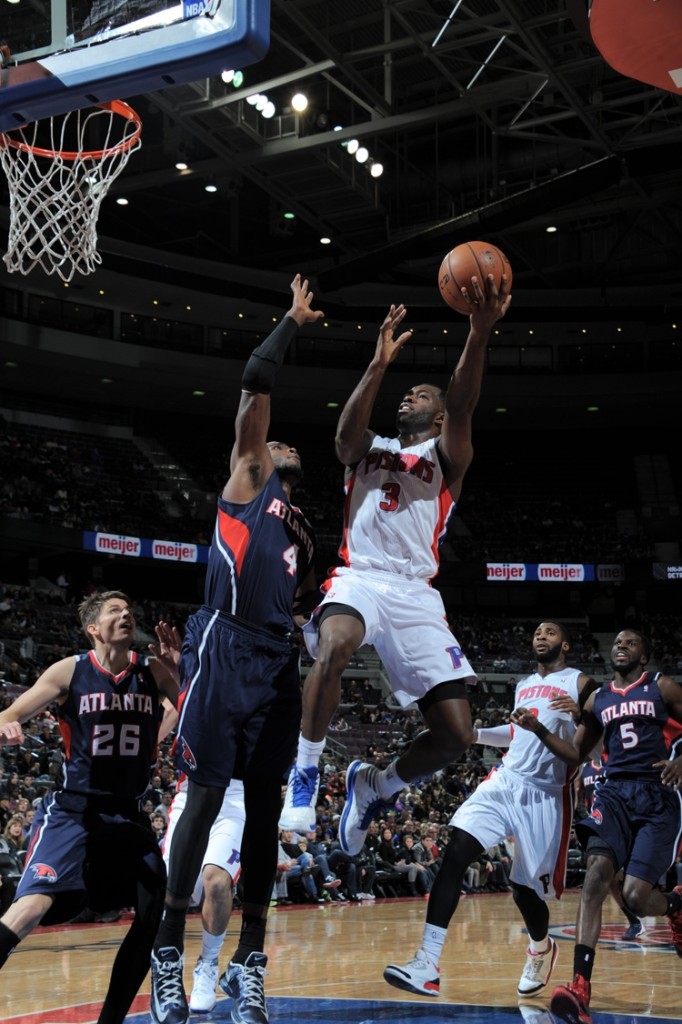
(352, 146)
(376, 169)
(299, 102)
(362, 155)
(227, 76)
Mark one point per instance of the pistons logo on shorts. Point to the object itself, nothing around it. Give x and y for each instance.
(44, 873)
(187, 755)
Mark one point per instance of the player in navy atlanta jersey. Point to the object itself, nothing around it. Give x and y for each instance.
(636, 819)
(240, 707)
(89, 842)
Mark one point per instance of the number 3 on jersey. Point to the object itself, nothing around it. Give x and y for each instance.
(391, 494)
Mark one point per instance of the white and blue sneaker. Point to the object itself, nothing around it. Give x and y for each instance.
(633, 931)
(203, 996)
(363, 805)
(298, 813)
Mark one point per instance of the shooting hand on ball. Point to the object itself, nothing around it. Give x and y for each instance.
(487, 303)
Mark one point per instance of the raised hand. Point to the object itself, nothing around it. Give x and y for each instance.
(388, 345)
(300, 309)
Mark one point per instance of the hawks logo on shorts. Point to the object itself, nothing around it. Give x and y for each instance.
(596, 816)
(187, 755)
(44, 872)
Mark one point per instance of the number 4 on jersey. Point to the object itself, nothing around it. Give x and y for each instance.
(290, 556)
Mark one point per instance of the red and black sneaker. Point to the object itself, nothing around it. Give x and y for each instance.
(570, 1003)
(676, 924)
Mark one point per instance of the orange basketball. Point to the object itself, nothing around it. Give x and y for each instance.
(470, 259)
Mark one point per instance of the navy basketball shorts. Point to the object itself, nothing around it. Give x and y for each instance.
(639, 821)
(240, 705)
(81, 856)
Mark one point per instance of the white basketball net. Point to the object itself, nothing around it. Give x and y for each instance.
(59, 171)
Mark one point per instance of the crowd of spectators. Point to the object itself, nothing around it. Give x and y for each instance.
(403, 849)
(94, 482)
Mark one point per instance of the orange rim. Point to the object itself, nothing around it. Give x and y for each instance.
(116, 107)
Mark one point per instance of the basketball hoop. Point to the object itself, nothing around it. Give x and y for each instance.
(59, 171)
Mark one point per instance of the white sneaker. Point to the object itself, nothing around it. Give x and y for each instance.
(366, 895)
(298, 813)
(538, 970)
(363, 805)
(420, 975)
(203, 997)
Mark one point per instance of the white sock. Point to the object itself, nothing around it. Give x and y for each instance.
(388, 782)
(309, 753)
(211, 945)
(433, 941)
(541, 945)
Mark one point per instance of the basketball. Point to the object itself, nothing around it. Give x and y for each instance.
(470, 259)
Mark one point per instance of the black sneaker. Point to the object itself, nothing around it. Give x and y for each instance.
(168, 1003)
(244, 983)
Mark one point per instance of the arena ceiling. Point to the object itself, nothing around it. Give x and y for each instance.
(491, 118)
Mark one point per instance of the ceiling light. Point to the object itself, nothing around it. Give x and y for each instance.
(362, 155)
(376, 170)
(227, 76)
(198, 394)
(593, 408)
(550, 229)
(181, 166)
(337, 128)
(332, 405)
(122, 201)
(501, 408)
(299, 102)
(210, 187)
(238, 79)
(262, 101)
(268, 110)
(325, 241)
(106, 380)
(253, 99)
(288, 215)
(352, 146)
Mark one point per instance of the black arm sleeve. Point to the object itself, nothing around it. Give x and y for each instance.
(264, 362)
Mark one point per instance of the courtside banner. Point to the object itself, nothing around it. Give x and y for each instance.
(141, 547)
(666, 571)
(541, 572)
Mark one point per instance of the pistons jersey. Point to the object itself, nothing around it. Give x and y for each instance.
(527, 755)
(261, 552)
(397, 509)
(109, 725)
(638, 730)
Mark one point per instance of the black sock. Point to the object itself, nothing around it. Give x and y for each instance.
(8, 940)
(674, 902)
(172, 929)
(583, 961)
(632, 918)
(251, 939)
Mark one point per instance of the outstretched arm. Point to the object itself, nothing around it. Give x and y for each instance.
(51, 687)
(353, 437)
(488, 304)
(251, 462)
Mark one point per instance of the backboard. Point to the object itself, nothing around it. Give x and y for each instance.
(60, 55)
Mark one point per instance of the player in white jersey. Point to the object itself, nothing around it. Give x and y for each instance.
(399, 494)
(528, 797)
(219, 873)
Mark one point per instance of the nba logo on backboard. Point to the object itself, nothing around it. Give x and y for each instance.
(193, 8)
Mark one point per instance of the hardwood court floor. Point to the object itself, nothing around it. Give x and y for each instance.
(326, 965)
